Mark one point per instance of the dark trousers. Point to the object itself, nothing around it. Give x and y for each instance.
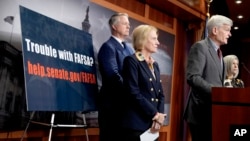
(131, 135)
(109, 126)
(108, 134)
(200, 132)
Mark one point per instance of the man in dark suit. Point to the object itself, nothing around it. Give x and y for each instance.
(205, 69)
(110, 60)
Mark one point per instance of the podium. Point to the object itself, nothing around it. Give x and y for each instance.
(230, 107)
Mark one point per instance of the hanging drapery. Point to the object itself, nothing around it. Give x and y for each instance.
(205, 33)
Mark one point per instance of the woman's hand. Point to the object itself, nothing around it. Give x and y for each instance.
(159, 117)
(155, 127)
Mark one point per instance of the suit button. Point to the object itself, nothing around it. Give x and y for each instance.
(150, 79)
(156, 99)
(152, 89)
(152, 99)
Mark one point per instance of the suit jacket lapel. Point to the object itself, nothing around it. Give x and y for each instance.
(150, 75)
(216, 59)
(120, 48)
(145, 68)
(116, 44)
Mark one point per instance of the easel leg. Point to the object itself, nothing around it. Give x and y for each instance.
(27, 126)
(59, 125)
(86, 128)
(51, 126)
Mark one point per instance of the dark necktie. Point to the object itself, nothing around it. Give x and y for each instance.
(220, 56)
(219, 53)
(126, 50)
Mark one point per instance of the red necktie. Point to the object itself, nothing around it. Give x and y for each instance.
(220, 56)
(219, 53)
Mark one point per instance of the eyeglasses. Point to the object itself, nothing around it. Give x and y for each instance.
(124, 23)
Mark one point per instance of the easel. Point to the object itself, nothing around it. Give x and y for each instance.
(52, 125)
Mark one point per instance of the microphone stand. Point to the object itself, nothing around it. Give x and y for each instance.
(244, 66)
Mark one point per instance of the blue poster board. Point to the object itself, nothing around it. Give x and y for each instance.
(59, 65)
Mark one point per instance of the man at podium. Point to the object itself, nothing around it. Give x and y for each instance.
(205, 69)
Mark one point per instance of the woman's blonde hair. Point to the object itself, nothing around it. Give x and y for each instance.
(228, 63)
(140, 35)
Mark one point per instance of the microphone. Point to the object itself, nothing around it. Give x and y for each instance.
(244, 66)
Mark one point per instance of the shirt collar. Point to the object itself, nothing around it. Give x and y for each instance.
(119, 40)
(213, 44)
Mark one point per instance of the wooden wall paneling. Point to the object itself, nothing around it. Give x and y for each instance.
(200, 14)
(178, 84)
(131, 5)
(198, 5)
(108, 5)
(161, 18)
(141, 18)
(64, 134)
(164, 134)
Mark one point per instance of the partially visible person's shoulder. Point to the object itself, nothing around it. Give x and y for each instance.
(238, 83)
(199, 46)
(108, 45)
(131, 57)
(200, 43)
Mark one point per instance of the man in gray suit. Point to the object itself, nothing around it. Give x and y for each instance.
(205, 69)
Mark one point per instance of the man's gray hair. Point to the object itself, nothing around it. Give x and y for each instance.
(218, 21)
(115, 18)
